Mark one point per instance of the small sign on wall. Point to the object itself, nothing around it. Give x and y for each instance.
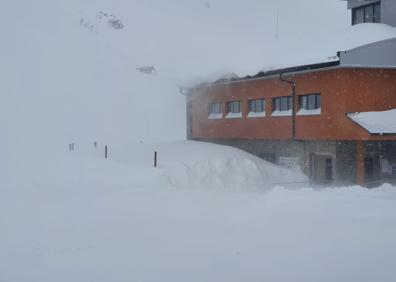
(288, 162)
(386, 167)
(393, 169)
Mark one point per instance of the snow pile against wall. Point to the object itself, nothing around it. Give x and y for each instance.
(376, 122)
(198, 165)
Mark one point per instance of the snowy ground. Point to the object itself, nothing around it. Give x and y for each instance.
(78, 217)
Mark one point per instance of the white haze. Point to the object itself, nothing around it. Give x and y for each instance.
(62, 82)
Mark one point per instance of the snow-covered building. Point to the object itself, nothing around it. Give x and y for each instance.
(335, 120)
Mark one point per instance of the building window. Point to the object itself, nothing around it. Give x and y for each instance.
(282, 106)
(215, 111)
(256, 108)
(310, 104)
(234, 109)
(367, 14)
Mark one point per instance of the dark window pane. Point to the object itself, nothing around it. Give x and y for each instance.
(369, 14)
(318, 102)
(311, 102)
(358, 16)
(284, 102)
(261, 106)
(276, 105)
(377, 13)
(302, 100)
(252, 106)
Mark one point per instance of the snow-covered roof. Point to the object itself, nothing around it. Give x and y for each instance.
(350, 38)
(383, 122)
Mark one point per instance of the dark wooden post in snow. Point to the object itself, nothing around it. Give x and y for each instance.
(155, 159)
(106, 152)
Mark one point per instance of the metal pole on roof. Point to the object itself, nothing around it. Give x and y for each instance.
(277, 24)
(293, 84)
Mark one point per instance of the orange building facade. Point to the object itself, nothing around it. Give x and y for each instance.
(326, 143)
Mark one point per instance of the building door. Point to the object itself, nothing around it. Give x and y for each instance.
(322, 169)
(329, 169)
(269, 157)
(371, 169)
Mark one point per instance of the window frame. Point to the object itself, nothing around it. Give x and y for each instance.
(220, 108)
(277, 106)
(254, 108)
(304, 101)
(230, 108)
(375, 9)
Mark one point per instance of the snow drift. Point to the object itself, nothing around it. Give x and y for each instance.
(181, 165)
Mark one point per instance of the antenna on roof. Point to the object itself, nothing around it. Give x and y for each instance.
(277, 24)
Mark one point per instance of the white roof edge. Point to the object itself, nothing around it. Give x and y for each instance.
(376, 122)
(307, 71)
(369, 44)
(368, 66)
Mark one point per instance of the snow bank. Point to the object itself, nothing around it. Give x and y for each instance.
(181, 165)
(376, 122)
(198, 165)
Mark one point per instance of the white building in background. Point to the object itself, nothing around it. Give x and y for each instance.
(373, 11)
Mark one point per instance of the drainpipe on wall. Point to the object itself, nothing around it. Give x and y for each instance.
(185, 92)
(293, 84)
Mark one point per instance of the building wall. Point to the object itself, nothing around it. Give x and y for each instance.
(388, 12)
(382, 53)
(343, 155)
(343, 90)
(358, 3)
(346, 162)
